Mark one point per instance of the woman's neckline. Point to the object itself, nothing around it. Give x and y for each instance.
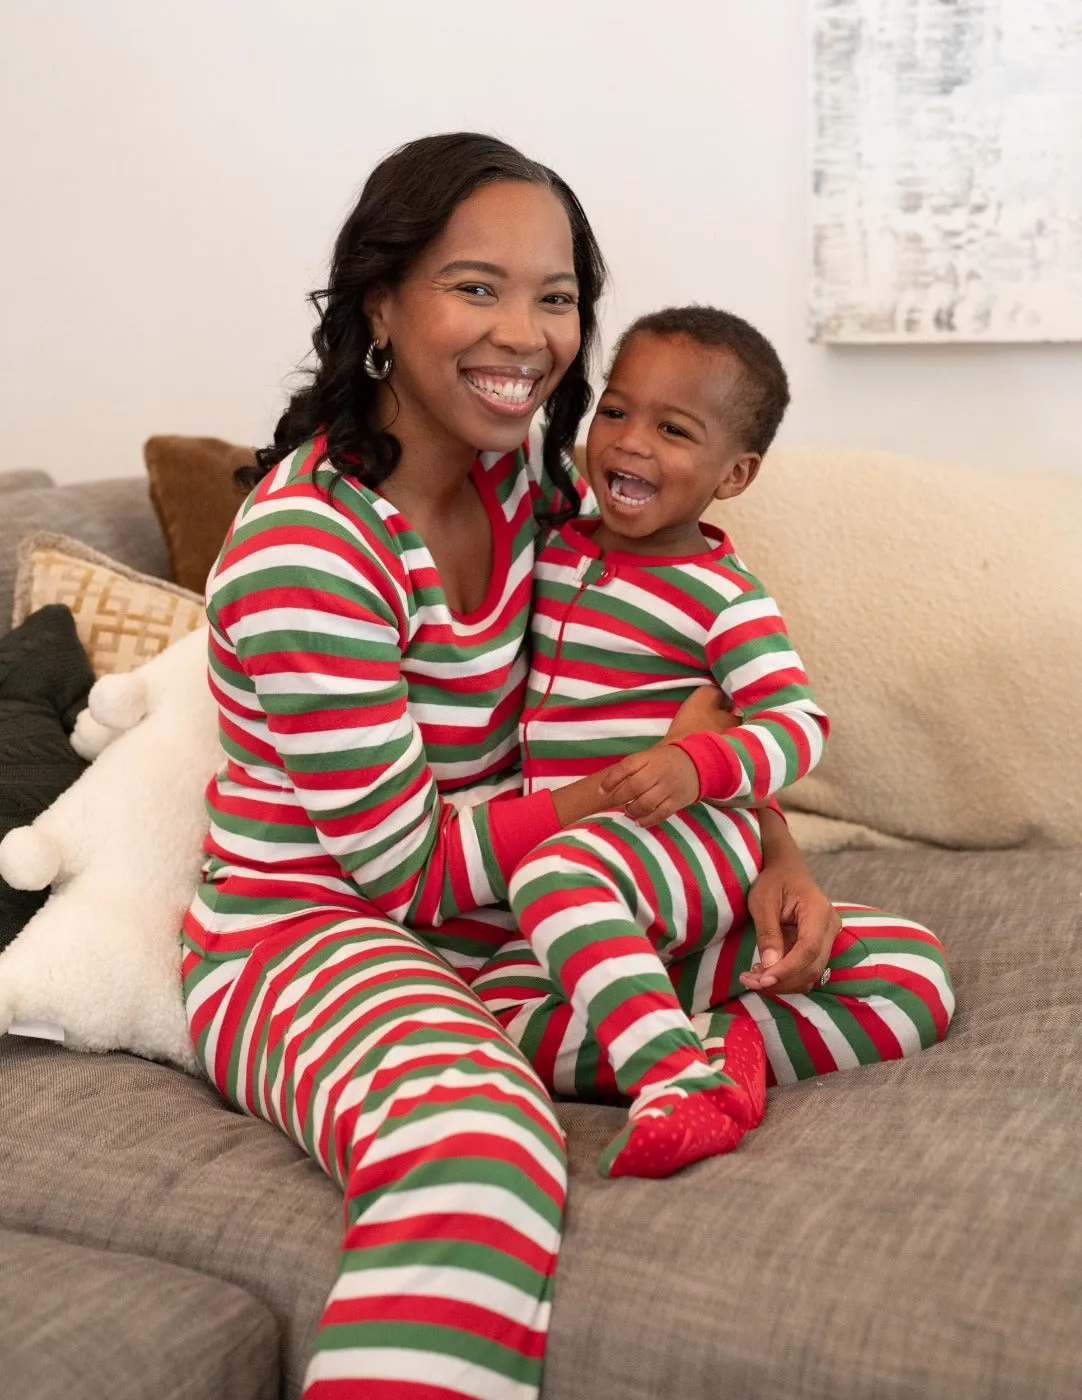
(479, 475)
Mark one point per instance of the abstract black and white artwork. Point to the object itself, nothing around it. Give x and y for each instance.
(946, 156)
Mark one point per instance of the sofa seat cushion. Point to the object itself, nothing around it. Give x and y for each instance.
(124, 1154)
(909, 1230)
(84, 1322)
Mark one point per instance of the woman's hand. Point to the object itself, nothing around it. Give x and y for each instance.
(652, 785)
(795, 923)
(705, 709)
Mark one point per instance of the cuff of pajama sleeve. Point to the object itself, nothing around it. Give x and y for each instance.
(718, 767)
(517, 824)
(772, 806)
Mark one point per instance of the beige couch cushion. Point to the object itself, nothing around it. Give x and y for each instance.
(938, 610)
(85, 1322)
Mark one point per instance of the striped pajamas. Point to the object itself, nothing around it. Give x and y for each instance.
(339, 816)
(627, 978)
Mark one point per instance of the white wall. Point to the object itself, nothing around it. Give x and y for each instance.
(172, 176)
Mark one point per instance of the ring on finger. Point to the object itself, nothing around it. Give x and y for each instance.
(825, 977)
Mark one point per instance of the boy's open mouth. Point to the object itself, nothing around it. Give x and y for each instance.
(629, 490)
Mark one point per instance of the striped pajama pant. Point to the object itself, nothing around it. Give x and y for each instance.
(604, 896)
(372, 1054)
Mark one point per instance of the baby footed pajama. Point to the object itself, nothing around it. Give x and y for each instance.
(606, 906)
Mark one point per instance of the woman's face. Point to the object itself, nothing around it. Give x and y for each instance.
(485, 324)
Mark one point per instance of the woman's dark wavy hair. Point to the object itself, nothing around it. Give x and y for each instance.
(406, 203)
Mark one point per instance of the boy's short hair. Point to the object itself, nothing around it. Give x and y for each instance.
(761, 394)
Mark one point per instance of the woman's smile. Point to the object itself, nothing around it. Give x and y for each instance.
(507, 392)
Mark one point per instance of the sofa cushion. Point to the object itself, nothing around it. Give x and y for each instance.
(45, 678)
(114, 516)
(83, 1322)
(123, 1154)
(196, 497)
(911, 1229)
(29, 478)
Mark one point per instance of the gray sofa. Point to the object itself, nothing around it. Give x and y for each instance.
(910, 1230)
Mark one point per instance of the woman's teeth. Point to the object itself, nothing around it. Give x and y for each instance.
(506, 390)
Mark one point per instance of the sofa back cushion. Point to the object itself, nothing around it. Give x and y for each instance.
(938, 610)
(114, 516)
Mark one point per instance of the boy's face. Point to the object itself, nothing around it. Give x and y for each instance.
(661, 445)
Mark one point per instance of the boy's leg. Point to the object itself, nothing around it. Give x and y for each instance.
(887, 995)
(365, 1048)
(565, 1052)
(597, 904)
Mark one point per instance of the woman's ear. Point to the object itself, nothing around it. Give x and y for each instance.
(375, 308)
(742, 472)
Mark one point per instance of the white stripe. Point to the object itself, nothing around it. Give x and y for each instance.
(776, 1053)
(645, 1029)
(475, 1197)
(413, 1135)
(843, 1054)
(567, 1056)
(767, 663)
(455, 1284)
(752, 607)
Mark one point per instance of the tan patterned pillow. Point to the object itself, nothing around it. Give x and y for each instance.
(123, 618)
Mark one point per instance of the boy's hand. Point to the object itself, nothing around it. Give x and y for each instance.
(652, 785)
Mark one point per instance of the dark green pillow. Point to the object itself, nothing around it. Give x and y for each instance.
(45, 678)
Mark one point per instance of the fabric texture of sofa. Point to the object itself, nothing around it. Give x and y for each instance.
(911, 1230)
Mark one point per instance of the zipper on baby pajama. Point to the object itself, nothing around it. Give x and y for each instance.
(586, 567)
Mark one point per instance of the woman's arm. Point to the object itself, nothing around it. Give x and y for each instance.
(311, 617)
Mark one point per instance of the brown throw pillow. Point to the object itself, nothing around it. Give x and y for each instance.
(196, 498)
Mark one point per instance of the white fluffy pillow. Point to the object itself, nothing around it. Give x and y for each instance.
(122, 849)
(938, 610)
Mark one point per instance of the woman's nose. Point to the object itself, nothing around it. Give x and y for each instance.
(519, 327)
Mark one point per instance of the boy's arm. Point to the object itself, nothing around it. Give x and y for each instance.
(783, 730)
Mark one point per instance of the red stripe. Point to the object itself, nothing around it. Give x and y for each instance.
(472, 1229)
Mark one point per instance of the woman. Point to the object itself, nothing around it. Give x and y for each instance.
(382, 558)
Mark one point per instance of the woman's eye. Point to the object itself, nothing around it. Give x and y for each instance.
(475, 289)
(561, 299)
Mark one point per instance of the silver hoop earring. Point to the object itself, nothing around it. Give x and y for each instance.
(373, 370)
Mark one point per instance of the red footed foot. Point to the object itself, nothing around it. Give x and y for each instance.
(656, 1145)
(743, 1058)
